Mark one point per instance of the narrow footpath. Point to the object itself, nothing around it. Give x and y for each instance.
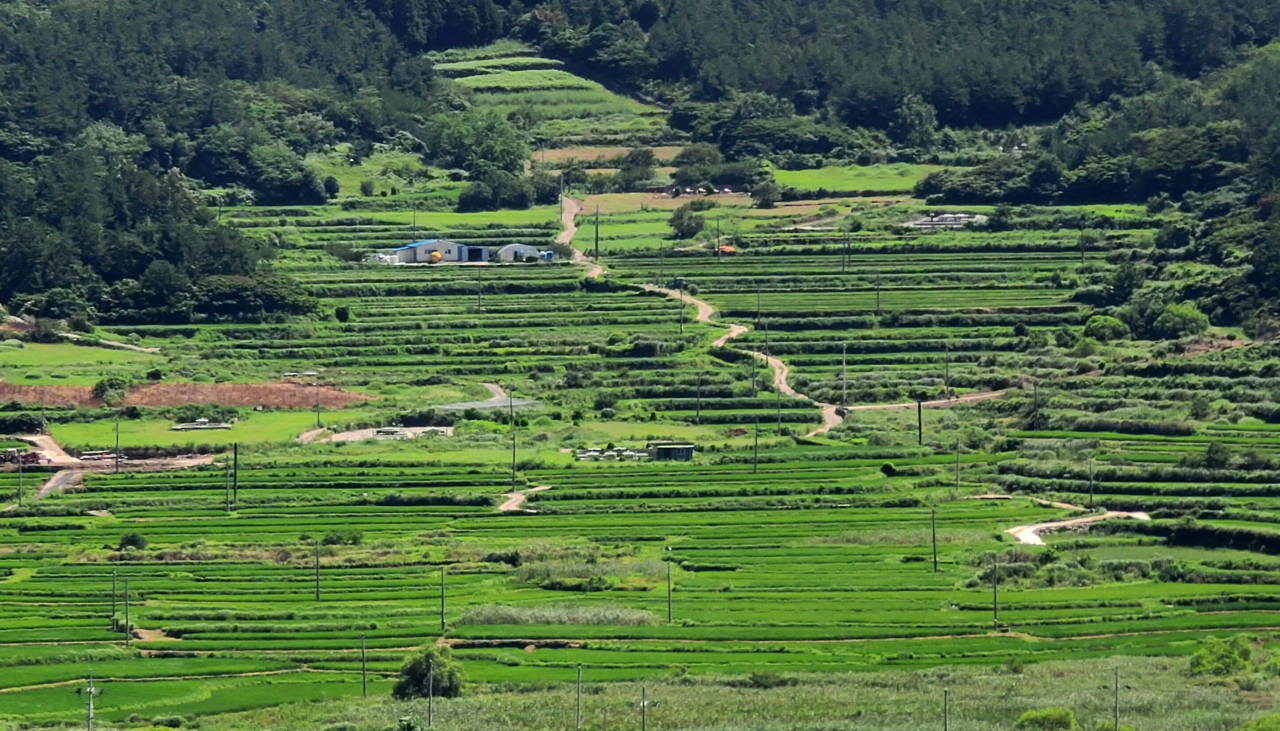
(706, 311)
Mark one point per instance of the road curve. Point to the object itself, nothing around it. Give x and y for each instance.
(515, 500)
(1030, 534)
(830, 419)
(568, 218)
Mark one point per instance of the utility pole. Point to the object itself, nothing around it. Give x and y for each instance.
(318, 425)
(755, 461)
(597, 231)
(90, 692)
(442, 600)
(1116, 687)
(128, 627)
(577, 726)
(235, 472)
(317, 570)
(364, 671)
(946, 368)
(995, 591)
(844, 374)
(511, 411)
(933, 522)
(668, 587)
(919, 421)
(698, 417)
(226, 485)
(957, 464)
(113, 600)
(1091, 483)
(117, 454)
(431, 692)
(719, 243)
(946, 709)
(644, 707)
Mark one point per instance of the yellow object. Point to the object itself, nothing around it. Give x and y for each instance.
(435, 257)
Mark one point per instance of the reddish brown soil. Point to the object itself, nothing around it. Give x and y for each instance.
(53, 395)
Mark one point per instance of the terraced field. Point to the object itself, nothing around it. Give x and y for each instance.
(862, 549)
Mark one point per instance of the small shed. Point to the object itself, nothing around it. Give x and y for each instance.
(672, 452)
(517, 253)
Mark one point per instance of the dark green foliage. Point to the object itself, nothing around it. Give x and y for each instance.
(686, 224)
(133, 540)
(1105, 328)
(436, 661)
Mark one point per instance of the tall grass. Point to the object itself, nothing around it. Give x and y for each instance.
(607, 614)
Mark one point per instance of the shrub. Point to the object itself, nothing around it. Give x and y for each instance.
(366, 188)
(133, 540)
(1105, 328)
(1221, 657)
(436, 661)
(684, 223)
(888, 470)
(1054, 718)
(111, 388)
(1180, 319)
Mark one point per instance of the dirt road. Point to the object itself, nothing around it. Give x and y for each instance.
(497, 400)
(967, 398)
(515, 500)
(49, 450)
(113, 344)
(1030, 534)
(781, 374)
(568, 219)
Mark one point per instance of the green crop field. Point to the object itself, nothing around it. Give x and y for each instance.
(883, 418)
(896, 178)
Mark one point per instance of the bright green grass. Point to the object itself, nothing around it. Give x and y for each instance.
(45, 357)
(267, 426)
(895, 177)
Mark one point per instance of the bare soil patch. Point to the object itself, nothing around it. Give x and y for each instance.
(53, 395)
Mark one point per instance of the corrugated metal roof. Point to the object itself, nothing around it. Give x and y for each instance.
(415, 244)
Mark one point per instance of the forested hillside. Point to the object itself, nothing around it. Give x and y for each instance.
(229, 102)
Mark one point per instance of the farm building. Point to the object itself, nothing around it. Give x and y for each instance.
(436, 251)
(517, 252)
(671, 452)
(948, 220)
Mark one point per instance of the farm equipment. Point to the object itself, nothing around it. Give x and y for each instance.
(677, 284)
(18, 456)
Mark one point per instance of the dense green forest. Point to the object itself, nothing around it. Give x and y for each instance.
(121, 118)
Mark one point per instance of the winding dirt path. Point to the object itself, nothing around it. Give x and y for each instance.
(1030, 534)
(568, 218)
(781, 373)
(112, 344)
(945, 403)
(515, 500)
